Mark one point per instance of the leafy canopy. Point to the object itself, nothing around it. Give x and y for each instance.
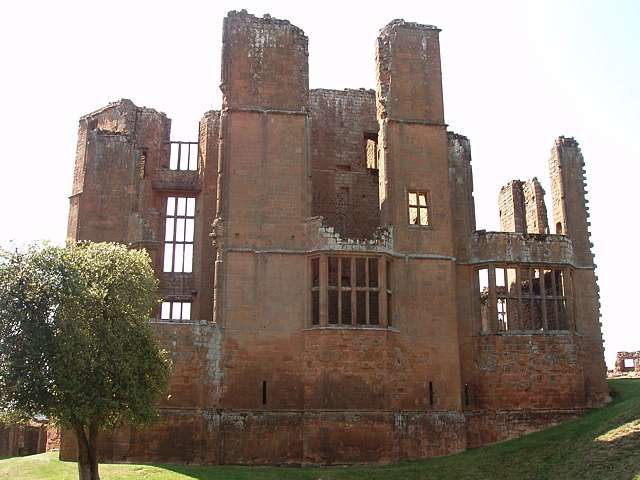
(75, 341)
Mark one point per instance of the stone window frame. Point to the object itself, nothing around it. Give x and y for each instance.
(169, 307)
(323, 314)
(183, 156)
(416, 204)
(176, 238)
(555, 304)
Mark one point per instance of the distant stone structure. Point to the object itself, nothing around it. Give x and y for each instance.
(327, 297)
(627, 362)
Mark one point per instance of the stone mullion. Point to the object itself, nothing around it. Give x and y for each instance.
(543, 300)
(366, 284)
(520, 322)
(493, 308)
(353, 291)
(339, 290)
(569, 299)
(382, 292)
(324, 281)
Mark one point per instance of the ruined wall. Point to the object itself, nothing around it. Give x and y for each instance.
(119, 149)
(512, 209)
(535, 208)
(344, 187)
(256, 380)
(522, 207)
(620, 362)
(568, 189)
(462, 201)
(206, 204)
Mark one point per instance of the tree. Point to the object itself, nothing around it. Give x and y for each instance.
(75, 340)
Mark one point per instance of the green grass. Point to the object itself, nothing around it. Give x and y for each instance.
(603, 445)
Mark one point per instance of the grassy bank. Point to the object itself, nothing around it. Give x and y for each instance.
(603, 445)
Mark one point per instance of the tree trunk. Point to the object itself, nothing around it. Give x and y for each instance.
(87, 452)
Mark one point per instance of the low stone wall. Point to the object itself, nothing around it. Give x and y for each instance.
(283, 437)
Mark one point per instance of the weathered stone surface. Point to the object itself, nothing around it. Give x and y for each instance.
(291, 183)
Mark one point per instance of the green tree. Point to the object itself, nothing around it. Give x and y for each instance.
(75, 340)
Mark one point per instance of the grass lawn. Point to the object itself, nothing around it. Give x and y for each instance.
(602, 445)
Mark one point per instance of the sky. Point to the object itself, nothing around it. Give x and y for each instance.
(516, 75)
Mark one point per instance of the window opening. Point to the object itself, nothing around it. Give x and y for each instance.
(315, 291)
(524, 298)
(371, 150)
(431, 394)
(352, 290)
(184, 156)
(175, 311)
(179, 234)
(264, 392)
(418, 208)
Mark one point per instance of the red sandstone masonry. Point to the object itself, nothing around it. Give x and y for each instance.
(284, 177)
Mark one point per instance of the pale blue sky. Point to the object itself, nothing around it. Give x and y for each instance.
(516, 75)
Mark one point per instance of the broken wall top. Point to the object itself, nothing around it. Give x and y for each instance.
(264, 63)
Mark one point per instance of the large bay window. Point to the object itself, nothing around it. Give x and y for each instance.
(524, 298)
(350, 290)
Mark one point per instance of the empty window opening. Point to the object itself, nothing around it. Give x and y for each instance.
(179, 234)
(629, 363)
(430, 388)
(184, 156)
(418, 208)
(264, 392)
(371, 150)
(175, 311)
(503, 324)
(143, 163)
(559, 228)
(523, 299)
(466, 394)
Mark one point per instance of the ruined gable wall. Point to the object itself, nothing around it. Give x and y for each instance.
(345, 191)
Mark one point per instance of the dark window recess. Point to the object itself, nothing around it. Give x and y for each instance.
(374, 318)
(315, 307)
(466, 394)
(333, 306)
(373, 272)
(352, 290)
(333, 271)
(361, 278)
(264, 392)
(315, 272)
(346, 307)
(431, 393)
(361, 307)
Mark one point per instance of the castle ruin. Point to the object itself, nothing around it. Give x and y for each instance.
(327, 297)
